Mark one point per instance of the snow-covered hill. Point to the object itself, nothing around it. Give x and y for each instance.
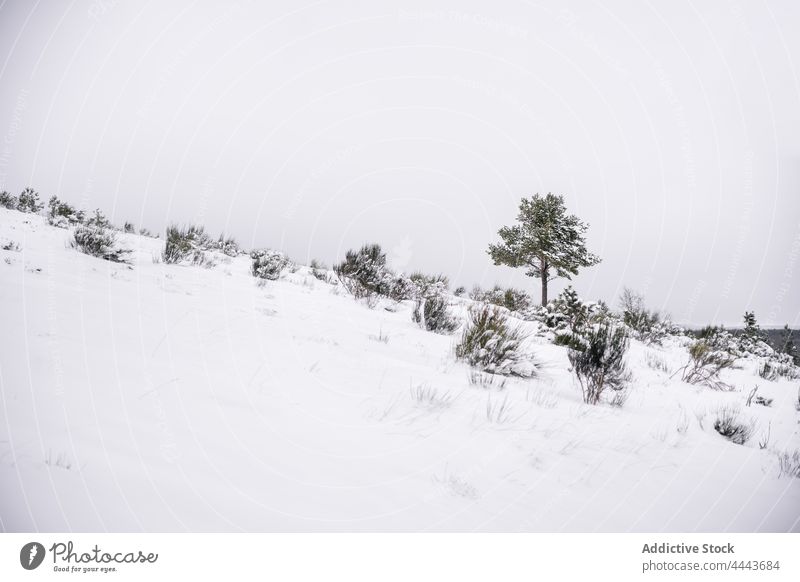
(167, 398)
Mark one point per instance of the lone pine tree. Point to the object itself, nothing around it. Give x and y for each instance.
(546, 241)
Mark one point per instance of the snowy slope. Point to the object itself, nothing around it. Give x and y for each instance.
(172, 398)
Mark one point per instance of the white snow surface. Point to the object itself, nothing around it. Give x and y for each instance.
(171, 398)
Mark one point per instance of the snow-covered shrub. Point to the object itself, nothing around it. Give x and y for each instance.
(99, 220)
(728, 425)
(8, 200)
(460, 291)
(28, 201)
(429, 285)
(433, 314)
(400, 287)
(645, 325)
(319, 271)
(785, 345)
(268, 264)
(565, 313)
(600, 363)
(128, 228)
(706, 361)
(99, 242)
(363, 273)
(771, 370)
(226, 245)
(510, 298)
(184, 244)
(490, 344)
(655, 362)
(10, 246)
(63, 215)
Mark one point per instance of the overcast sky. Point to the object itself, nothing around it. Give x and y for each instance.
(672, 128)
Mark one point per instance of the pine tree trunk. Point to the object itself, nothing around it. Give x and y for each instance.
(544, 283)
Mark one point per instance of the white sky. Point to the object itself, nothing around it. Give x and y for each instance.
(673, 128)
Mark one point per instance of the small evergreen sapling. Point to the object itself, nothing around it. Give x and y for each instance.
(8, 200)
(28, 201)
(63, 215)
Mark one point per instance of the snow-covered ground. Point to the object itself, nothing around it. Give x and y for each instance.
(169, 398)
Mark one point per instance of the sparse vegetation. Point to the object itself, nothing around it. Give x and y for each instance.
(600, 364)
(63, 215)
(728, 425)
(510, 298)
(656, 362)
(434, 315)
(647, 326)
(8, 200)
(789, 464)
(319, 271)
(705, 364)
(99, 242)
(491, 344)
(772, 370)
(268, 264)
(227, 245)
(429, 285)
(430, 398)
(498, 411)
(28, 201)
(99, 220)
(185, 244)
(363, 273)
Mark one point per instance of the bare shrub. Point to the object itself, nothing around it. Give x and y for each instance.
(705, 364)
